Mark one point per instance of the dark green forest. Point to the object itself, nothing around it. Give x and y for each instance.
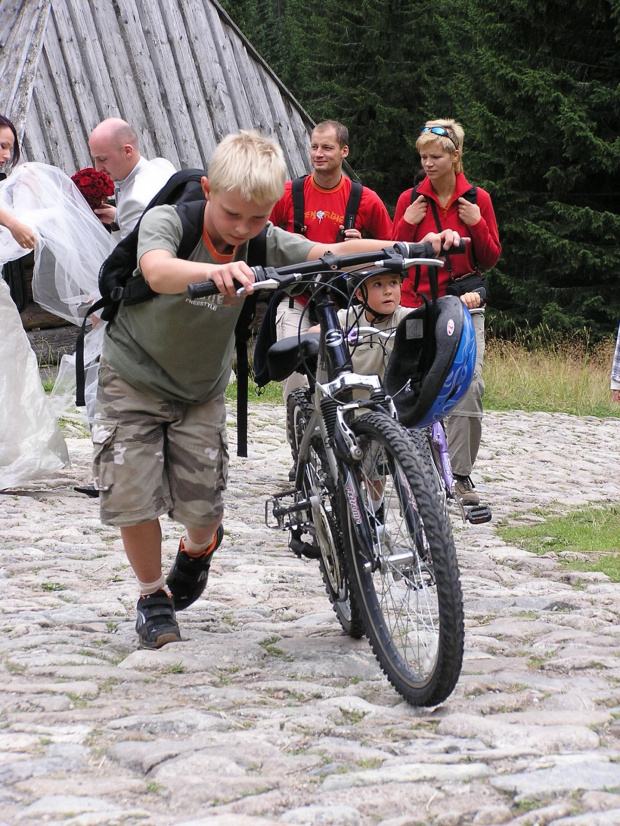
(536, 85)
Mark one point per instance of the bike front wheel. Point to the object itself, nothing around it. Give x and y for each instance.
(407, 586)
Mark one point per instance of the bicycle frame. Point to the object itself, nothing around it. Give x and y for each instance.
(333, 405)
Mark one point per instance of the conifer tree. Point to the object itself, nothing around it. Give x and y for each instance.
(536, 86)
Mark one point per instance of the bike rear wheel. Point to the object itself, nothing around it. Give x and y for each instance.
(324, 531)
(407, 587)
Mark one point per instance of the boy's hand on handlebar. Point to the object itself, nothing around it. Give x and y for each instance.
(225, 275)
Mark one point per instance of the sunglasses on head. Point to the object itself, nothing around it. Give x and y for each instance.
(439, 130)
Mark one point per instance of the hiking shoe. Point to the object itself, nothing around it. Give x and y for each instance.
(156, 624)
(464, 490)
(188, 576)
(88, 490)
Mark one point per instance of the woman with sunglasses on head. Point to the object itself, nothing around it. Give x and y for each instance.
(446, 200)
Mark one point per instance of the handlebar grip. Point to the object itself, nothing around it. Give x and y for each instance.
(202, 289)
(459, 249)
(414, 250)
(206, 288)
(425, 249)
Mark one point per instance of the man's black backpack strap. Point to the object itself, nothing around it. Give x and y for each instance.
(353, 205)
(299, 206)
(297, 193)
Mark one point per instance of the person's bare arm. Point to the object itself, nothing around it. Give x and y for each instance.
(443, 241)
(24, 236)
(169, 275)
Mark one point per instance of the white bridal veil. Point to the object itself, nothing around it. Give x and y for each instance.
(71, 241)
(71, 244)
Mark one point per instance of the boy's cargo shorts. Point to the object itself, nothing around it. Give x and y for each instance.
(153, 456)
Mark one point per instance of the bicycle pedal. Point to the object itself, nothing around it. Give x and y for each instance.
(478, 514)
(301, 548)
(278, 509)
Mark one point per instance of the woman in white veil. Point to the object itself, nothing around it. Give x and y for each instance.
(70, 246)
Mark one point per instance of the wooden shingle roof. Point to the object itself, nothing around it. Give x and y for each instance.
(179, 71)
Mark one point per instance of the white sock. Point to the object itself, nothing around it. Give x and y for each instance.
(147, 588)
(193, 548)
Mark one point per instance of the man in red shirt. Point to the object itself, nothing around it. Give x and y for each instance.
(326, 195)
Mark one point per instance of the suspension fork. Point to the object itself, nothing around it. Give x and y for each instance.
(359, 516)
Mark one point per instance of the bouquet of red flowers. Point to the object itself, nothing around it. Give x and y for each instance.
(95, 186)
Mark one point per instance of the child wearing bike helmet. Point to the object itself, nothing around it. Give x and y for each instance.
(378, 297)
(379, 307)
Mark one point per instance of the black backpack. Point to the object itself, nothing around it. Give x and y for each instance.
(353, 205)
(117, 282)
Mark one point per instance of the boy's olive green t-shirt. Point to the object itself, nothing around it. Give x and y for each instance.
(176, 348)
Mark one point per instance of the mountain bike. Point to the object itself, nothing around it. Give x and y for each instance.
(365, 501)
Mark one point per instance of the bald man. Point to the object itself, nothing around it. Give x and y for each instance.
(115, 150)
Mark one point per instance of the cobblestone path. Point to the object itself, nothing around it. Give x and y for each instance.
(266, 713)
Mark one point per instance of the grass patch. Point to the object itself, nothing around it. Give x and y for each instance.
(271, 394)
(537, 369)
(590, 532)
(542, 372)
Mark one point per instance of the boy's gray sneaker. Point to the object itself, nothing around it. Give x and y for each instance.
(464, 490)
(156, 624)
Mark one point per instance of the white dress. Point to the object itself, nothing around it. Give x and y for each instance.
(31, 444)
(71, 244)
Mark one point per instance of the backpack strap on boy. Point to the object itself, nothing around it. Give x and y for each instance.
(117, 282)
(257, 253)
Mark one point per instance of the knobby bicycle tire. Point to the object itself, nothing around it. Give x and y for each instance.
(410, 600)
(428, 453)
(317, 482)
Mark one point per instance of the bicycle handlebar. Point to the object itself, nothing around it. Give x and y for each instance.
(401, 256)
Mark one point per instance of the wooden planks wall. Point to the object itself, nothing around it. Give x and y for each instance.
(178, 70)
(22, 30)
